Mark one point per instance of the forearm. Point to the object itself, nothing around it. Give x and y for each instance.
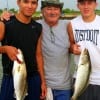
(40, 68)
(3, 49)
(40, 62)
(71, 49)
(41, 72)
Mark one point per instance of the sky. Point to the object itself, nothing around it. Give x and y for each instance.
(12, 4)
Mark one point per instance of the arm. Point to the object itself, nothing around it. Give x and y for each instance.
(2, 30)
(41, 69)
(9, 50)
(74, 48)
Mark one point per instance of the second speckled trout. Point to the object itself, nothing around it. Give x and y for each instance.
(83, 74)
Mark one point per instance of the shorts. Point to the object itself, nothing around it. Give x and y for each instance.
(62, 94)
(34, 88)
(92, 92)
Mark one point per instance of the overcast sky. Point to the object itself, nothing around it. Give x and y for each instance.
(12, 4)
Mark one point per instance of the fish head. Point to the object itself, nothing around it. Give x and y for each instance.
(84, 57)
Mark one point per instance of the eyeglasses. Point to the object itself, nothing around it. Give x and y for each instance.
(52, 35)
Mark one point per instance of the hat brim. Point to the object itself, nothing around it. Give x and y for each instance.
(45, 4)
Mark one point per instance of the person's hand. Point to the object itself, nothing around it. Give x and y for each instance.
(11, 52)
(44, 91)
(76, 49)
(6, 15)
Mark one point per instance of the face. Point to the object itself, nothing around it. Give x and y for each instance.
(51, 14)
(87, 8)
(27, 7)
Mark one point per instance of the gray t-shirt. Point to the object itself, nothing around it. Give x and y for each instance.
(55, 52)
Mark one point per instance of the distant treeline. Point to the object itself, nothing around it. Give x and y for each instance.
(65, 12)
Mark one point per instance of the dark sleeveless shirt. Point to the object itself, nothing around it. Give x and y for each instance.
(25, 37)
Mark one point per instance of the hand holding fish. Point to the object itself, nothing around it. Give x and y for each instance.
(11, 52)
(76, 49)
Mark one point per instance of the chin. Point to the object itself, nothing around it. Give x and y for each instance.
(53, 19)
(28, 15)
(86, 15)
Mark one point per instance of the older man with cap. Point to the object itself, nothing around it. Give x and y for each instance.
(84, 32)
(55, 47)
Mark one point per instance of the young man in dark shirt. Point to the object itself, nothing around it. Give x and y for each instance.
(24, 33)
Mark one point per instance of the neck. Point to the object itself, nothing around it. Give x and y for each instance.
(22, 18)
(89, 18)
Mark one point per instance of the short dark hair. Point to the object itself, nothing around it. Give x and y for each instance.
(85, 0)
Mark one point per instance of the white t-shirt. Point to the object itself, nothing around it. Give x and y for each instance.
(87, 35)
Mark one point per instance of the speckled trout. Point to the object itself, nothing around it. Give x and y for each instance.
(83, 73)
(20, 77)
